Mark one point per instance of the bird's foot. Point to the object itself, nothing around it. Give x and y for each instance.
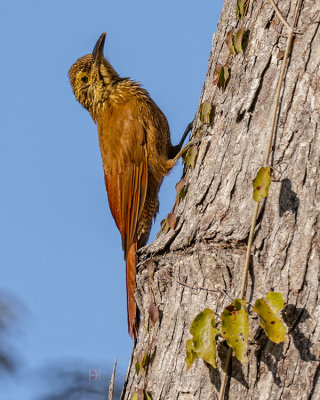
(184, 150)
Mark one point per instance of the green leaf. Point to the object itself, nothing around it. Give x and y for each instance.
(191, 354)
(261, 184)
(235, 328)
(203, 343)
(238, 40)
(268, 311)
(245, 40)
(191, 156)
(241, 8)
(164, 227)
(167, 223)
(144, 357)
(224, 76)
(183, 192)
(207, 112)
(147, 396)
(134, 397)
(230, 42)
(137, 366)
(181, 189)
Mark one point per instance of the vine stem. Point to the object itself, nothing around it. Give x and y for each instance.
(282, 73)
(225, 375)
(267, 155)
(279, 15)
(249, 246)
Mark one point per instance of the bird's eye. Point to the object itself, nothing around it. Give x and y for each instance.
(84, 79)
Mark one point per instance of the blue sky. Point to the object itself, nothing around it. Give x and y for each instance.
(60, 252)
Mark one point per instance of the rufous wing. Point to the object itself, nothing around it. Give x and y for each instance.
(124, 155)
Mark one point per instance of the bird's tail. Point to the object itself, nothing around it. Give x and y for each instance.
(131, 264)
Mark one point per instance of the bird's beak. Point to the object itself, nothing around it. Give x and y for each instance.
(98, 48)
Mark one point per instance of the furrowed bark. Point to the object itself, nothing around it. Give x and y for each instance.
(200, 263)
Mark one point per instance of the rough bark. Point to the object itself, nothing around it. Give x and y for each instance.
(207, 248)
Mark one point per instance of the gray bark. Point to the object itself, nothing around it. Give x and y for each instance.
(207, 248)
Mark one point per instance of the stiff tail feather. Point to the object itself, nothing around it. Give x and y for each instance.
(131, 264)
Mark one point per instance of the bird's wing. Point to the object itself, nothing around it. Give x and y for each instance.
(123, 145)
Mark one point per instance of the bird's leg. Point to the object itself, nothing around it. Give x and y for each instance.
(174, 150)
(183, 151)
(188, 129)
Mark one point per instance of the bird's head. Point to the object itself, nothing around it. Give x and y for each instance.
(92, 77)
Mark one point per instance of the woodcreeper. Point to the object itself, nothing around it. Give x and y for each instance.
(136, 153)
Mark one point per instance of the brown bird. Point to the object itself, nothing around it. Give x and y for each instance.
(136, 153)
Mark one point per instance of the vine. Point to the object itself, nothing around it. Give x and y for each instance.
(235, 318)
(267, 156)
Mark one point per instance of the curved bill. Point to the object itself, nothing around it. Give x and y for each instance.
(98, 48)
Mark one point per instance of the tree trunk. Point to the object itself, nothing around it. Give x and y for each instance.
(200, 263)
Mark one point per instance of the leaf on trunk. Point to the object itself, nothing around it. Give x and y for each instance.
(172, 220)
(150, 268)
(240, 40)
(207, 112)
(144, 358)
(142, 364)
(216, 74)
(154, 313)
(224, 76)
(147, 395)
(183, 192)
(280, 55)
(137, 367)
(241, 8)
(203, 343)
(167, 223)
(191, 156)
(261, 184)
(230, 42)
(245, 40)
(235, 328)
(134, 397)
(180, 185)
(164, 227)
(140, 394)
(181, 189)
(268, 311)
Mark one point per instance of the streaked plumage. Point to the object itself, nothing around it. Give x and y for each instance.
(136, 152)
